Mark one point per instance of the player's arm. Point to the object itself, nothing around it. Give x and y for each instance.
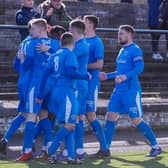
(105, 76)
(29, 56)
(99, 56)
(16, 64)
(138, 67)
(45, 48)
(73, 73)
(71, 68)
(96, 65)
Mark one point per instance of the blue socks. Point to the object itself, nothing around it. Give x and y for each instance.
(79, 135)
(109, 131)
(47, 130)
(70, 145)
(38, 128)
(29, 132)
(97, 128)
(147, 132)
(61, 134)
(15, 124)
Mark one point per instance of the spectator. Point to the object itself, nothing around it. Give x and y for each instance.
(24, 15)
(153, 23)
(54, 11)
(163, 19)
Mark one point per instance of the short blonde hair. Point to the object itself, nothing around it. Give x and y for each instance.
(42, 23)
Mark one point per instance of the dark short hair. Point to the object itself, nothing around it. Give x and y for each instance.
(92, 18)
(67, 39)
(79, 25)
(56, 32)
(128, 28)
(40, 22)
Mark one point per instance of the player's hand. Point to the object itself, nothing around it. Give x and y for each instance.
(103, 76)
(38, 100)
(50, 12)
(21, 56)
(89, 76)
(42, 48)
(120, 78)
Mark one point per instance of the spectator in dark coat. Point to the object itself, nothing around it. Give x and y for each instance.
(54, 11)
(24, 15)
(153, 23)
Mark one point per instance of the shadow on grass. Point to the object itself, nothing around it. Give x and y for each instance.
(154, 162)
(118, 161)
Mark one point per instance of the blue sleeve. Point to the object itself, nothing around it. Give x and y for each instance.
(111, 75)
(99, 50)
(51, 50)
(71, 67)
(73, 73)
(16, 64)
(138, 64)
(29, 56)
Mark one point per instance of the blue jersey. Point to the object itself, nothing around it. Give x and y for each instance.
(35, 60)
(59, 64)
(130, 63)
(81, 51)
(96, 51)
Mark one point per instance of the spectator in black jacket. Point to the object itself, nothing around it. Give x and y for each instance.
(24, 15)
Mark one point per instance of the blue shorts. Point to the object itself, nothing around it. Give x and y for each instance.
(81, 99)
(31, 105)
(126, 103)
(92, 96)
(64, 104)
(45, 102)
(47, 92)
(22, 90)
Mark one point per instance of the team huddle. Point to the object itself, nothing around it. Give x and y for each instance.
(59, 81)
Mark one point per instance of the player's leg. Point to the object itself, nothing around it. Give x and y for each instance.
(67, 114)
(114, 107)
(15, 124)
(91, 116)
(32, 108)
(134, 106)
(79, 130)
(46, 128)
(44, 125)
(29, 132)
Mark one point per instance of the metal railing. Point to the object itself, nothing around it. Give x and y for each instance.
(101, 29)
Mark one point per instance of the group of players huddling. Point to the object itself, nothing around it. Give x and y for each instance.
(59, 80)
